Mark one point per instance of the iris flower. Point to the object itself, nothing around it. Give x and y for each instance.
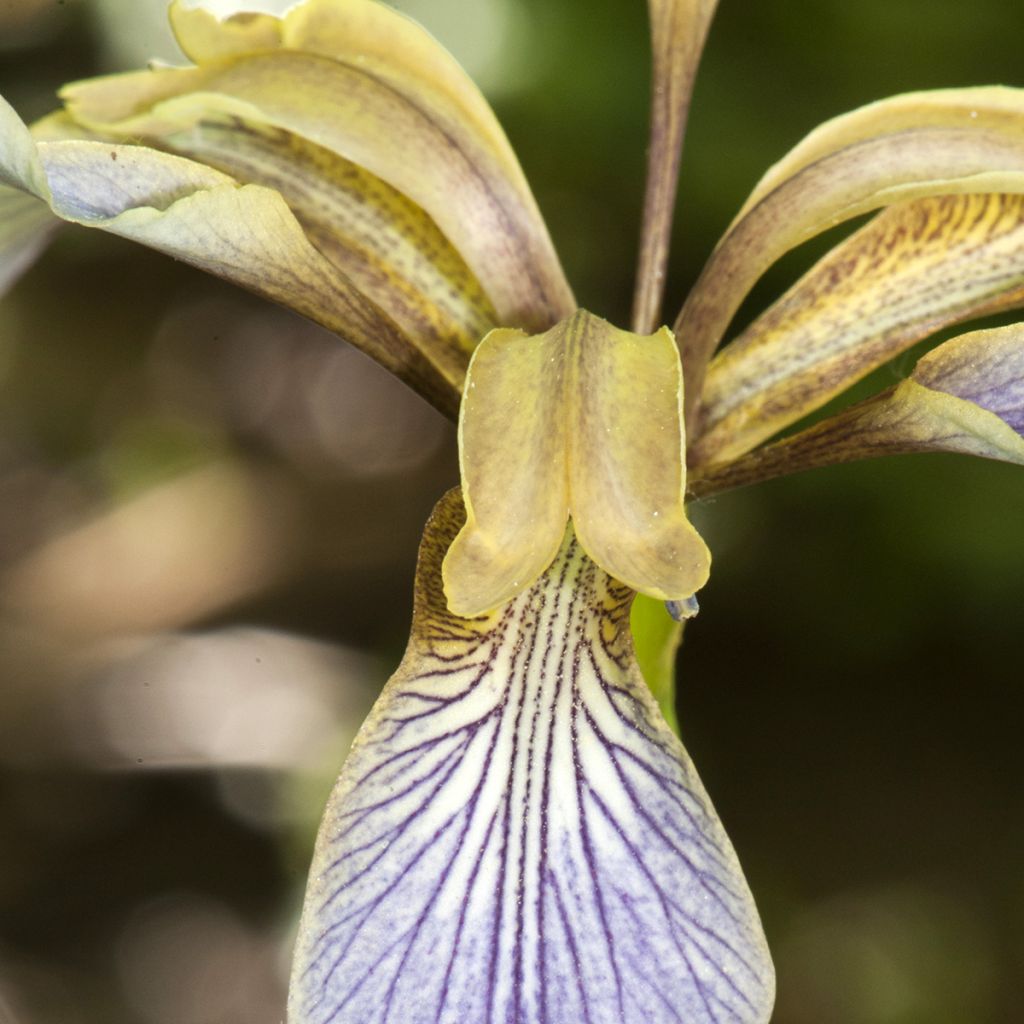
(518, 834)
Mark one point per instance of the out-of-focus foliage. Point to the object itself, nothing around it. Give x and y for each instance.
(208, 521)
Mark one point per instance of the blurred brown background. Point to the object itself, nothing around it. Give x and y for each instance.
(208, 519)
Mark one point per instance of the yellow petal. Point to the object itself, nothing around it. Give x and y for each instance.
(626, 457)
(934, 144)
(915, 268)
(678, 31)
(982, 107)
(204, 38)
(360, 80)
(586, 419)
(386, 245)
(967, 396)
(245, 234)
(512, 452)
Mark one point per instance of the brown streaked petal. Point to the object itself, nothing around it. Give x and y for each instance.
(946, 151)
(966, 396)
(916, 267)
(678, 31)
(420, 127)
(245, 234)
(386, 245)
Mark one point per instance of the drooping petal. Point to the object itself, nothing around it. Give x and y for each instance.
(991, 105)
(246, 234)
(385, 244)
(517, 835)
(916, 267)
(357, 79)
(966, 396)
(583, 419)
(958, 141)
(678, 31)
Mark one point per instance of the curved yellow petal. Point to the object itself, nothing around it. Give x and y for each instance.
(244, 233)
(356, 78)
(627, 476)
(966, 396)
(512, 453)
(987, 106)
(586, 419)
(916, 267)
(204, 38)
(932, 148)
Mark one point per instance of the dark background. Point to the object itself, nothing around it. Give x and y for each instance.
(208, 519)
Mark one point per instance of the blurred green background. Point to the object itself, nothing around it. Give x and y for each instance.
(209, 513)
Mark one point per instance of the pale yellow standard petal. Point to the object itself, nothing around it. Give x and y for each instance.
(340, 81)
(930, 149)
(583, 419)
(967, 397)
(512, 451)
(913, 269)
(678, 31)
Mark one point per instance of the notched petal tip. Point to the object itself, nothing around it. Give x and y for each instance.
(204, 38)
(480, 575)
(586, 420)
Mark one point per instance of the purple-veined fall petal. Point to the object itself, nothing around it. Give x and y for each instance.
(517, 836)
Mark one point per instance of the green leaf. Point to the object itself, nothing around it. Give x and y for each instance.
(656, 640)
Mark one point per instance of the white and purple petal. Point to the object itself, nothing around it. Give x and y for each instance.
(518, 837)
